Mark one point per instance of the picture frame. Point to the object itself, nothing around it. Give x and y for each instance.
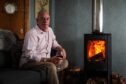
(41, 4)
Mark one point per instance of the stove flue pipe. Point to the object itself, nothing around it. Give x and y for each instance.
(97, 16)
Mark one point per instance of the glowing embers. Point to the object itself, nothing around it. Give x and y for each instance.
(96, 50)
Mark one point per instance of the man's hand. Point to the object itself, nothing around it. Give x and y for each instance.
(61, 53)
(56, 60)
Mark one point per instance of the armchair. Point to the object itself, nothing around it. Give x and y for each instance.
(10, 49)
(10, 52)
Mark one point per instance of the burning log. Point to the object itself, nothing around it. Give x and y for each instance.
(98, 57)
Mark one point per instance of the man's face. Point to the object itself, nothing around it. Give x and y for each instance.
(43, 21)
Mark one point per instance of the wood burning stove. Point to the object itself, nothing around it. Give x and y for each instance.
(97, 49)
(97, 56)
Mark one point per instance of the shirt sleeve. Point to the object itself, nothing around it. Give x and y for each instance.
(29, 47)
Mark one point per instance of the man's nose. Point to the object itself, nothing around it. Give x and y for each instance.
(45, 20)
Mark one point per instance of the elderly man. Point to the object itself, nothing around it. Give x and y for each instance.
(37, 47)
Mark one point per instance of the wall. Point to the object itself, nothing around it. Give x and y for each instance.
(73, 20)
(32, 13)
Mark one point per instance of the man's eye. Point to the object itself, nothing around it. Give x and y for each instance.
(44, 18)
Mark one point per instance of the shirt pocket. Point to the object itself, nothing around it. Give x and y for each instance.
(41, 43)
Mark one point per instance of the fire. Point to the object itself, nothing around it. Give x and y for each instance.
(96, 50)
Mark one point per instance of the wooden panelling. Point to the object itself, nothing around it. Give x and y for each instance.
(17, 22)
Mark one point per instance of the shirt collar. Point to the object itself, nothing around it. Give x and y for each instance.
(39, 30)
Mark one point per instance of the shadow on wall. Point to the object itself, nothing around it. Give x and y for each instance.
(70, 50)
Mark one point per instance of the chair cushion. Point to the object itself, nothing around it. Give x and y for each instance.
(16, 52)
(7, 40)
(13, 76)
(5, 59)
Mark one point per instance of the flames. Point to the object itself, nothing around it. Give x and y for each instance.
(96, 50)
